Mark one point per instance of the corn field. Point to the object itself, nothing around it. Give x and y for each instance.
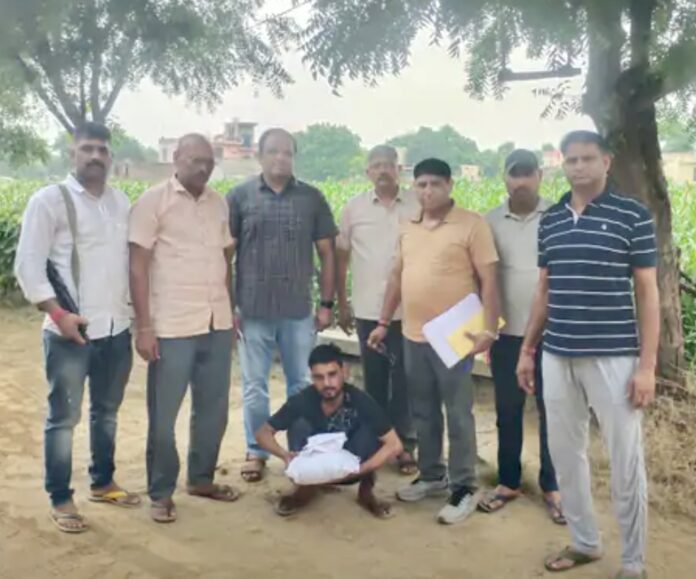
(478, 196)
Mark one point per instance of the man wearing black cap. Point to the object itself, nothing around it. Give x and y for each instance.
(515, 224)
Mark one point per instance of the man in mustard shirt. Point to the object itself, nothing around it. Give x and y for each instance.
(445, 254)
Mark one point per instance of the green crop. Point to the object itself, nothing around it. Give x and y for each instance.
(478, 196)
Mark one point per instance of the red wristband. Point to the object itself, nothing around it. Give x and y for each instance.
(383, 324)
(57, 314)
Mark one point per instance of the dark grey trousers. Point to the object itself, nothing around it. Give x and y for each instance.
(204, 362)
(430, 384)
(385, 379)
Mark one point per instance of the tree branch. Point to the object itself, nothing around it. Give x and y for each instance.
(31, 78)
(606, 37)
(97, 46)
(94, 84)
(115, 91)
(567, 71)
(44, 56)
(641, 14)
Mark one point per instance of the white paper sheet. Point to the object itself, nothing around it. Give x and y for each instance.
(437, 330)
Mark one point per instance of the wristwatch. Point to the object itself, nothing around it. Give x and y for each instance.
(328, 304)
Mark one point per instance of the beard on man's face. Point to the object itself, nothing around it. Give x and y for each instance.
(330, 393)
(93, 169)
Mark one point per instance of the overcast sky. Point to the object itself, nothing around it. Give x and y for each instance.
(430, 92)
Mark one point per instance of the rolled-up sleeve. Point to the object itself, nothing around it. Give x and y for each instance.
(643, 247)
(482, 244)
(343, 239)
(324, 224)
(543, 258)
(33, 250)
(235, 214)
(144, 223)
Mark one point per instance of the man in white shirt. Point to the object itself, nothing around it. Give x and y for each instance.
(91, 257)
(515, 226)
(367, 241)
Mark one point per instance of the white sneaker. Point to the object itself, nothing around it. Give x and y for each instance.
(460, 505)
(420, 489)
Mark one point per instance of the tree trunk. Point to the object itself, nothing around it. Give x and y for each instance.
(615, 99)
(637, 171)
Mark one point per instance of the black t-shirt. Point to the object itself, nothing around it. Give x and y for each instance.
(358, 408)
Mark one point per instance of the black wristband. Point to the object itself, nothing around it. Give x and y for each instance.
(328, 304)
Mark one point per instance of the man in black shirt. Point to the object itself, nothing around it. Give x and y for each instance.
(328, 406)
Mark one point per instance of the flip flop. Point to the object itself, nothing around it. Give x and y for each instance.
(253, 469)
(289, 504)
(216, 492)
(576, 558)
(119, 497)
(407, 466)
(488, 503)
(555, 511)
(59, 519)
(286, 507)
(163, 512)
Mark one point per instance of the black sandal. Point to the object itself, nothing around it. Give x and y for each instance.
(575, 558)
(486, 504)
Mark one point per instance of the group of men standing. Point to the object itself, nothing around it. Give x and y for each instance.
(569, 271)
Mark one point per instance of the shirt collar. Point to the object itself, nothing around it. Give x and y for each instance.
(179, 188)
(375, 199)
(74, 185)
(263, 186)
(541, 207)
(447, 218)
(596, 202)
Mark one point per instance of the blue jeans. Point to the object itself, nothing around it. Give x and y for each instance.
(203, 362)
(107, 363)
(295, 340)
(509, 405)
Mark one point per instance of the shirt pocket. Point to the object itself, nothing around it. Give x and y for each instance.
(218, 232)
(251, 225)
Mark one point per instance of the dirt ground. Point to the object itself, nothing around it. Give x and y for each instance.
(332, 539)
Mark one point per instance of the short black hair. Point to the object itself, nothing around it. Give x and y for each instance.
(586, 138)
(276, 131)
(432, 166)
(325, 354)
(386, 151)
(92, 130)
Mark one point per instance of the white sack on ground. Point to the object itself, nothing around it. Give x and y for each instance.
(323, 460)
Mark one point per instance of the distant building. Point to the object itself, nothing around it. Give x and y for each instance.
(680, 167)
(234, 150)
(236, 142)
(470, 172)
(167, 146)
(552, 159)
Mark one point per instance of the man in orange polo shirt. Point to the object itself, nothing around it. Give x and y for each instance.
(446, 253)
(180, 254)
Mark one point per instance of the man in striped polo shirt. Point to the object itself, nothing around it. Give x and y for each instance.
(596, 252)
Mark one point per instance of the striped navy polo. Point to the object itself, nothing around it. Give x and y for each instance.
(590, 260)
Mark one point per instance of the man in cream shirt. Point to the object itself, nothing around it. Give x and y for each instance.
(367, 241)
(515, 224)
